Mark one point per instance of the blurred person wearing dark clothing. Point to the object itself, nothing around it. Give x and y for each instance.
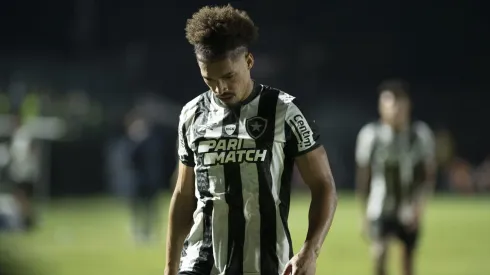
(146, 159)
(396, 171)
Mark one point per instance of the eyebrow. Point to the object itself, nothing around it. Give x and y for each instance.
(225, 75)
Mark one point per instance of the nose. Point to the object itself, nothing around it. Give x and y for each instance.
(221, 87)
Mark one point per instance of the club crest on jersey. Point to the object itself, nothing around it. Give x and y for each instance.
(230, 129)
(256, 126)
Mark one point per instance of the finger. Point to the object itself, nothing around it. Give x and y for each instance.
(295, 271)
(288, 269)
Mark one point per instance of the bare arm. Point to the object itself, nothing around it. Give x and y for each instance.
(428, 184)
(430, 166)
(315, 170)
(364, 146)
(173, 178)
(182, 206)
(363, 180)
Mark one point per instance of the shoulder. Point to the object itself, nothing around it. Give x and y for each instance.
(286, 102)
(287, 99)
(423, 130)
(190, 107)
(421, 127)
(369, 130)
(365, 142)
(283, 98)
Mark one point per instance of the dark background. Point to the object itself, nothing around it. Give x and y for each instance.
(330, 54)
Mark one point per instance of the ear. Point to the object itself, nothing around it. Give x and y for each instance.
(250, 61)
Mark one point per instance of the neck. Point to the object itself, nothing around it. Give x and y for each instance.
(249, 89)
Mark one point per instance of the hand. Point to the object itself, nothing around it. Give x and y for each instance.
(414, 223)
(303, 263)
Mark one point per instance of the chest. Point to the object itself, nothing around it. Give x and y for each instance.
(392, 148)
(222, 137)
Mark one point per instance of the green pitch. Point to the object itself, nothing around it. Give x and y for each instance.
(91, 237)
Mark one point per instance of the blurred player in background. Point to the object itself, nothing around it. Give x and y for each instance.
(147, 167)
(396, 172)
(19, 174)
(237, 145)
(24, 172)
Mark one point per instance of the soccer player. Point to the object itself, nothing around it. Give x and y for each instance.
(237, 146)
(396, 172)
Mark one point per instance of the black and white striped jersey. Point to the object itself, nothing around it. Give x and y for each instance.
(243, 160)
(396, 161)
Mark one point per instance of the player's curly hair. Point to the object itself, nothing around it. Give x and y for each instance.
(218, 31)
(399, 87)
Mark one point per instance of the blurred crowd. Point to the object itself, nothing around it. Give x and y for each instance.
(34, 118)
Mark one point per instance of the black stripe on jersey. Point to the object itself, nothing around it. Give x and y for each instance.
(285, 198)
(268, 236)
(189, 161)
(234, 199)
(205, 262)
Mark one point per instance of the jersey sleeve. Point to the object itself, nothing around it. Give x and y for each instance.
(185, 153)
(301, 131)
(364, 145)
(427, 141)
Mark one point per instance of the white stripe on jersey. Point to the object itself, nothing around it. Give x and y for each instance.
(217, 188)
(277, 164)
(214, 127)
(377, 196)
(300, 127)
(277, 167)
(186, 119)
(220, 236)
(187, 263)
(250, 194)
(364, 144)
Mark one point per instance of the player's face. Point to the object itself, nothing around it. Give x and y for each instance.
(229, 78)
(395, 112)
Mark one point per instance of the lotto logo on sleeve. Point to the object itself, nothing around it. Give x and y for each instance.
(302, 131)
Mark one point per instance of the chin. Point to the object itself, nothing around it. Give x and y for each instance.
(231, 103)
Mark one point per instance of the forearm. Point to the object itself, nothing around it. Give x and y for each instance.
(363, 178)
(179, 224)
(321, 213)
(362, 198)
(426, 190)
(422, 196)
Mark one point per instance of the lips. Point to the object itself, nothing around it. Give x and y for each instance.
(225, 96)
